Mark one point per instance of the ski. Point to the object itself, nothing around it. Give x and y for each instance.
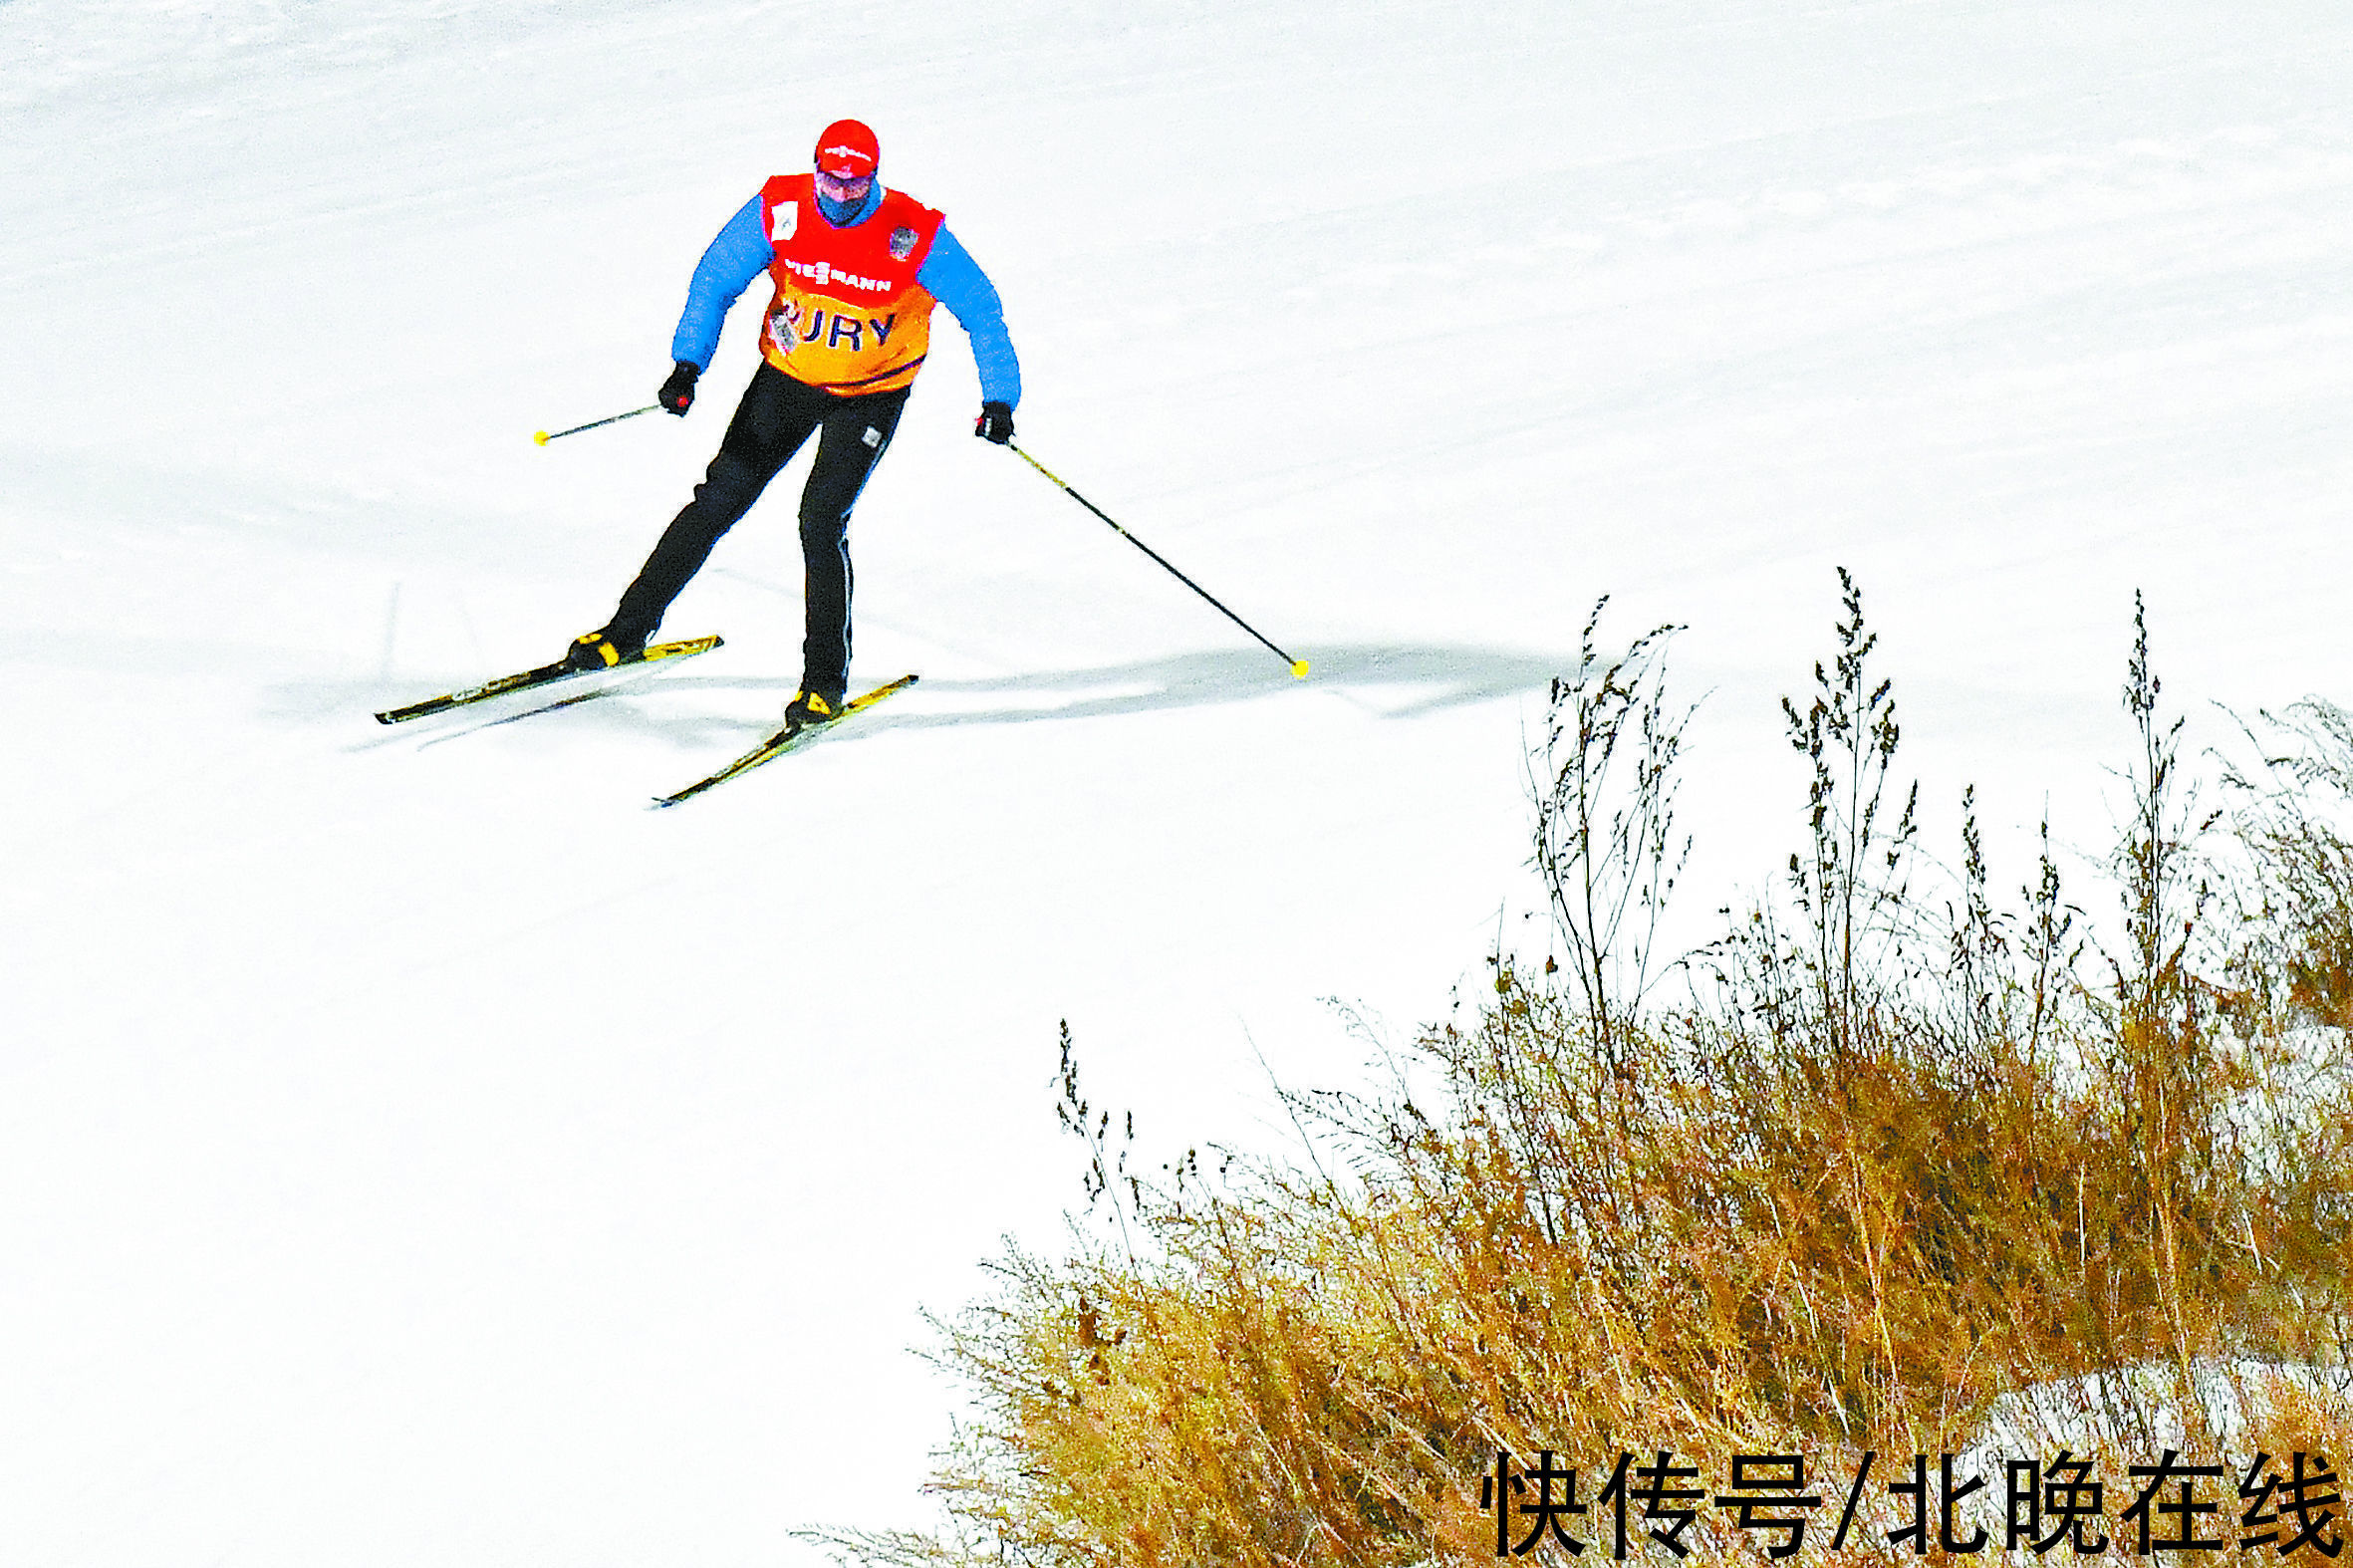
(786, 739)
(545, 674)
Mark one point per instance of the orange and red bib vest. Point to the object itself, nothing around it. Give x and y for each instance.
(848, 316)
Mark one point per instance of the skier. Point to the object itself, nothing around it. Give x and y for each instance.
(857, 269)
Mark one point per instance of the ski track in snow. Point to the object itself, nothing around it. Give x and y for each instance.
(416, 1150)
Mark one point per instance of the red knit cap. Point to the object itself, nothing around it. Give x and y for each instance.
(847, 149)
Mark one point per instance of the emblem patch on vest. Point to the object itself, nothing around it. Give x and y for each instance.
(783, 329)
(903, 243)
(786, 219)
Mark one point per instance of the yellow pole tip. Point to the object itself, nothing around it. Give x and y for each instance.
(1299, 670)
(540, 437)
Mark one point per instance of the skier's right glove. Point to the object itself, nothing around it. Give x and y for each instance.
(677, 394)
(995, 422)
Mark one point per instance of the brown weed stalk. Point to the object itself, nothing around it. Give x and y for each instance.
(1902, 1173)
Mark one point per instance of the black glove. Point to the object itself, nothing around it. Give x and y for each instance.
(995, 422)
(677, 394)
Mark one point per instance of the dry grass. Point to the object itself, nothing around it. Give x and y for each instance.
(1902, 1173)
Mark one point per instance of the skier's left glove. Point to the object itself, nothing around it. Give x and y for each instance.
(995, 422)
(677, 394)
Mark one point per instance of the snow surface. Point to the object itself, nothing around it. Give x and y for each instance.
(414, 1150)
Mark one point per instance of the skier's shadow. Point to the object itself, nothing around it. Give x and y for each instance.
(1385, 680)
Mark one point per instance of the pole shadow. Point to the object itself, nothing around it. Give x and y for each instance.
(1390, 682)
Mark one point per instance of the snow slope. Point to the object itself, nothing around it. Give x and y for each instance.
(413, 1151)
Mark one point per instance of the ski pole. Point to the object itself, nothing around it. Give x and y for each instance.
(1298, 666)
(543, 436)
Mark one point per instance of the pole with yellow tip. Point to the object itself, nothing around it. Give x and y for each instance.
(545, 437)
(1298, 666)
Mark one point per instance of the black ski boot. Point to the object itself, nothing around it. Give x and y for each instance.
(812, 709)
(601, 650)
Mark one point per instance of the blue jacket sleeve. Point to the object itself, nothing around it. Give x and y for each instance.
(956, 280)
(739, 254)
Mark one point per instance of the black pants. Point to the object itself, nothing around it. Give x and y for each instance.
(774, 420)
